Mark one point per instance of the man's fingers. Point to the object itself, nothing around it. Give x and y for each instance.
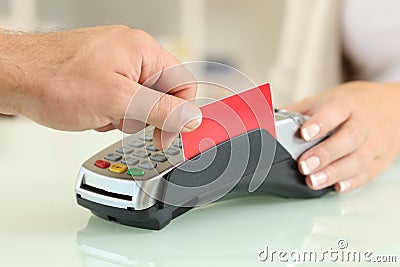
(325, 119)
(105, 128)
(160, 70)
(162, 139)
(164, 111)
(129, 126)
(174, 79)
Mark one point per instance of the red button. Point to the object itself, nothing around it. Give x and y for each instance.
(102, 163)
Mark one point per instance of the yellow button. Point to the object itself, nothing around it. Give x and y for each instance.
(118, 168)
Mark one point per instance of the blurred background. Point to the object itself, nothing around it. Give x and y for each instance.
(243, 34)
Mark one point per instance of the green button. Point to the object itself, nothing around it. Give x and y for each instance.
(135, 172)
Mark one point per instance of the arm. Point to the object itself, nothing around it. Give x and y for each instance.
(84, 79)
(367, 138)
(10, 98)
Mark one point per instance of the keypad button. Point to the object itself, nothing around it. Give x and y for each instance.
(125, 150)
(130, 161)
(148, 165)
(152, 148)
(135, 172)
(172, 151)
(149, 130)
(147, 138)
(102, 163)
(113, 157)
(159, 157)
(118, 168)
(136, 143)
(178, 143)
(141, 153)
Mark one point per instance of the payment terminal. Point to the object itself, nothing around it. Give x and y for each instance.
(133, 183)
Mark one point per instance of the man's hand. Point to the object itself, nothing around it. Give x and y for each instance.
(85, 78)
(367, 137)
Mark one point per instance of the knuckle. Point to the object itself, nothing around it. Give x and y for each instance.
(121, 27)
(361, 179)
(354, 84)
(332, 174)
(116, 30)
(364, 158)
(340, 98)
(162, 108)
(338, 95)
(365, 178)
(140, 34)
(146, 44)
(324, 153)
(354, 133)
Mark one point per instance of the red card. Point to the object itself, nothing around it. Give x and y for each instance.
(230, 117)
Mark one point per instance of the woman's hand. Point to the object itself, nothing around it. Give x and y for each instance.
(85, 79)
(366, 117)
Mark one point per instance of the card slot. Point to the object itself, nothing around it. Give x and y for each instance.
(105, 193)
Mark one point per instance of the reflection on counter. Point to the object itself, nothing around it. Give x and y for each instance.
(232, 232)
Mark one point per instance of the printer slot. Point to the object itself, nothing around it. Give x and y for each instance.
(104, 192)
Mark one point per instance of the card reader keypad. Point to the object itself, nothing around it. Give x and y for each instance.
(147, 164)
(113, 157)
(158, 157)
(118, 168)
(136, 144)
(172, 151)
(151, 148)
(137, 157)
(130, 161)
(141, 153)
(125, 149)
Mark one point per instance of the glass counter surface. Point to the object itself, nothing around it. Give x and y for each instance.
(41, 224)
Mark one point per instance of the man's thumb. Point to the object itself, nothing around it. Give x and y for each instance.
(164, 111)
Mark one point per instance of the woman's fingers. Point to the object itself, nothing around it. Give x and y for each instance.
(352, 165)
(347, 139)
(325, 119)
(353, 182)
(303, 106)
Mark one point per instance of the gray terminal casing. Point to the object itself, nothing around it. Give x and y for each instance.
(153, 202)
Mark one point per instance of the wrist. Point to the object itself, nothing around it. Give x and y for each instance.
(11, 73)
(392, 109)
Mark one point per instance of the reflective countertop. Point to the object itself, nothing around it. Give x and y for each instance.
(41, 225)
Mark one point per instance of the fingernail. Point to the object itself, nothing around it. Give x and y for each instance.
(310, 164)
(310, 132)
(318, 178)
(344, 186)
(191, 117)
